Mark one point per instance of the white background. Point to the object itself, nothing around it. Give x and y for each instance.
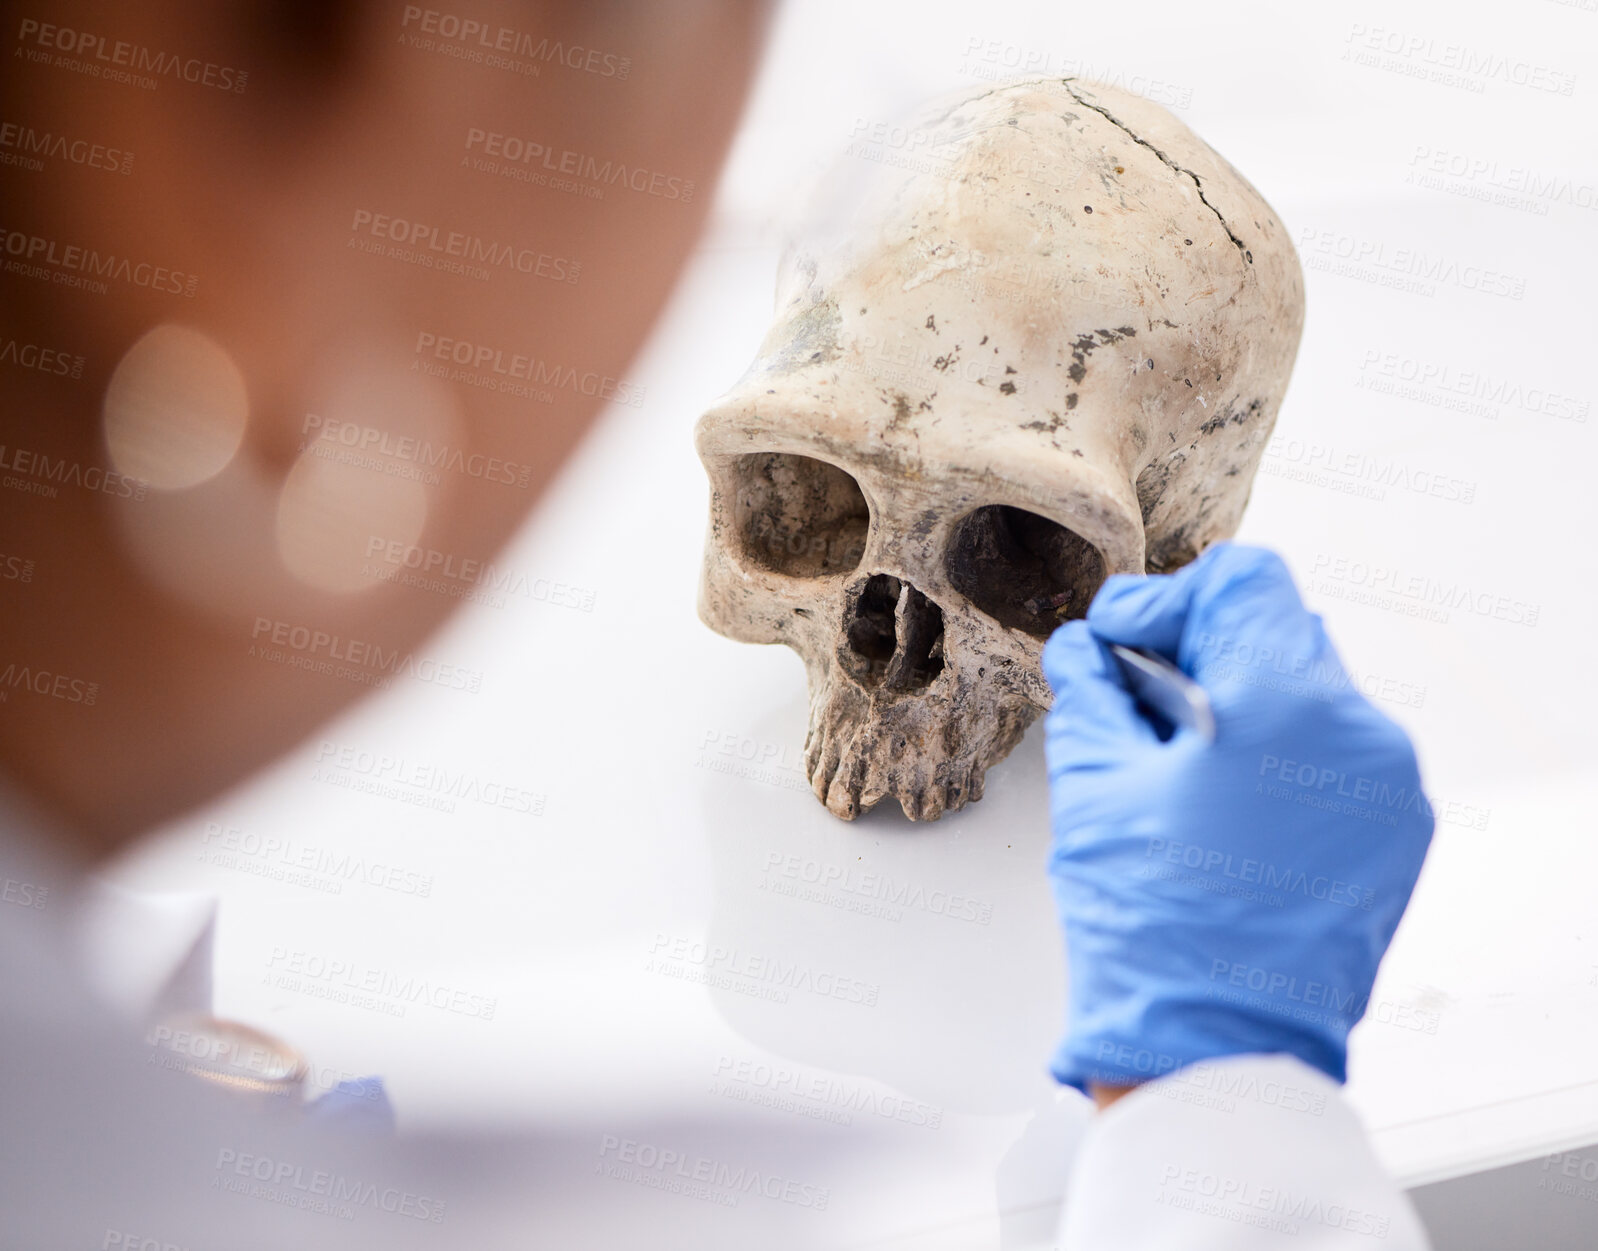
(637, 725)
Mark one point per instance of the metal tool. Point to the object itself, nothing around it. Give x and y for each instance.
(1160, 685)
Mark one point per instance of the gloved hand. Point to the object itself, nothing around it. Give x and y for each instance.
(1229, 897)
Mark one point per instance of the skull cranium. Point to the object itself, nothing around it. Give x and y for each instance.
(1049, 348)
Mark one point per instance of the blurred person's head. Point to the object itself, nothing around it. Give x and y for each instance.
(300, 295)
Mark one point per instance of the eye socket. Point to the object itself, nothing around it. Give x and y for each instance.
(798, 516)
(1024, 571)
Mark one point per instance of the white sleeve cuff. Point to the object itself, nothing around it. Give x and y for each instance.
(1247, 1153)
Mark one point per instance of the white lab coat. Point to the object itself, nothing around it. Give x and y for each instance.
(99, 1148)
(1251, 1153)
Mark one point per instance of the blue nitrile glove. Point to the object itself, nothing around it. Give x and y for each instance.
(1229, 897)
(358, 1104)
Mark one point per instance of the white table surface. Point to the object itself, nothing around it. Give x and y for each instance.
(667, 759)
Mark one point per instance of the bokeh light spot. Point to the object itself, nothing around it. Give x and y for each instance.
(175, 409)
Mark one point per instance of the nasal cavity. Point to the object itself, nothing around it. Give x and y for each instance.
(894, 635)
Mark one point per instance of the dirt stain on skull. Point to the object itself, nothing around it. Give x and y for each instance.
(1233, 416)
(1086, 344)
(1055, 422)
(812, 337)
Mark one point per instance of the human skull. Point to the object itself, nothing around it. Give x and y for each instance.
(1045, 342)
